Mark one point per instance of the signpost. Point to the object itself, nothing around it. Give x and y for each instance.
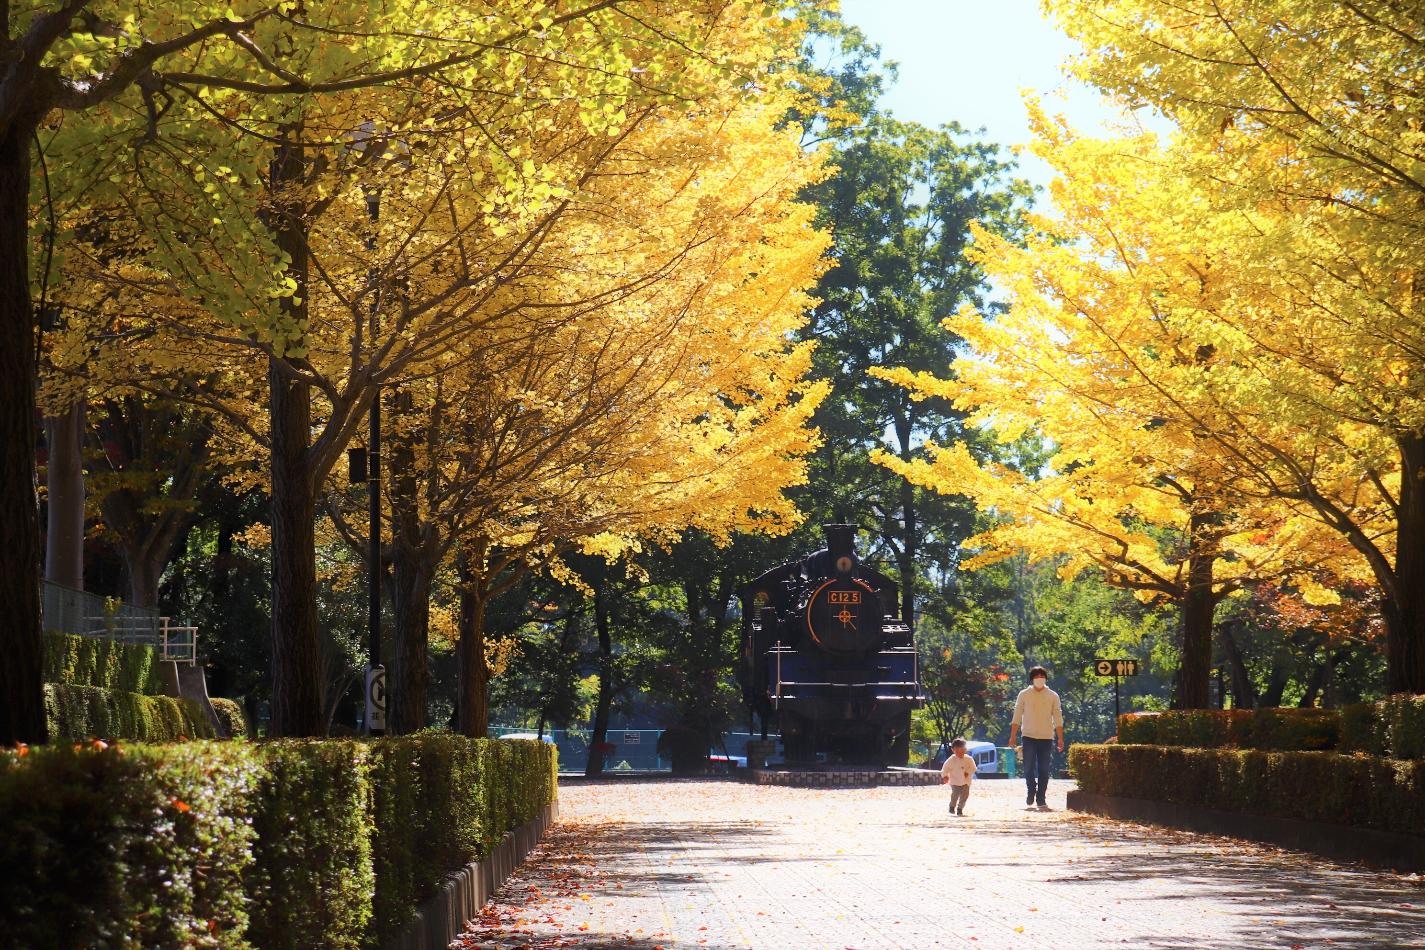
(1115, 668)
(375, 699)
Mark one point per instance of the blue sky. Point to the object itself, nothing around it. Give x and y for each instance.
(967, 61)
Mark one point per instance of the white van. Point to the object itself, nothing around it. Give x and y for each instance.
(985, 755)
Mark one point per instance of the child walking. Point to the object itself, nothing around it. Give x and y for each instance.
(958, 771)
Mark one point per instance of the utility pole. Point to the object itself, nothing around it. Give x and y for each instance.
(375, 673)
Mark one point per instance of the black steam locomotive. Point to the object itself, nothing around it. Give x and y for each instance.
(826, 656)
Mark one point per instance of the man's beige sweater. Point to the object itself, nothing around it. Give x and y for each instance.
(1037, 712)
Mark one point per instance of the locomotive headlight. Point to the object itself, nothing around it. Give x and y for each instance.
(844, 564)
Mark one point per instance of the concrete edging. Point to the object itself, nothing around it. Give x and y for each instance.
(1341, 842)
(460, 896)
(842, 778)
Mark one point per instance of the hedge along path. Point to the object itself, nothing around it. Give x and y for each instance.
(97, 661)
(283, 844)
(85, 712)
(1353, 790)
(1393, 727)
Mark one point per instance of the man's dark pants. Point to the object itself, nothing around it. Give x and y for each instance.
(1038, 763)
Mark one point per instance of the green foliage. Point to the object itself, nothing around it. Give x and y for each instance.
(96, 661)
(139, 847)
(1393, 727)
(1362, 791)
(88, 712)
(1268, 729)
(1403, 718)
(422, 831)
(1295, 729)
(312, 875)
(232, 717)
(1362, 729)
(271, 845)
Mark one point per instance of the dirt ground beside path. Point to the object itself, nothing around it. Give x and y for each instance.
(712, 863)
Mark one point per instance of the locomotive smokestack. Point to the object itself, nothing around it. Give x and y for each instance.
(840, 541)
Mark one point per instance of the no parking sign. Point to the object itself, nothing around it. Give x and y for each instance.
(375, 699)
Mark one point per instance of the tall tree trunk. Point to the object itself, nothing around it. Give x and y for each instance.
(472, 706)
(1194, 685)
(595, 763)
(410, 601)
(1315, 683)
(1244, 694)
(411, 673)
(22, 713)
(298, 708)
(1405, 610)
(1271, 697)
(297, 679)
(143, 565)
(64, 501)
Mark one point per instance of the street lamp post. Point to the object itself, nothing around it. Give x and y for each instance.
(367, 137)
(375, 718)
(375, 672)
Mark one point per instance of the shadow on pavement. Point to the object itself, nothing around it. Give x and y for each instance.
(1282, 898)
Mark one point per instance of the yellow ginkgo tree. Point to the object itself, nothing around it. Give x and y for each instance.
(1308, 111)
(1104, 351)
(595, 308)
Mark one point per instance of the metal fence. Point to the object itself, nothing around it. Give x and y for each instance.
(89, 615)
(634, 750)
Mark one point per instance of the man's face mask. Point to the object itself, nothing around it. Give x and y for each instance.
(1040, 682)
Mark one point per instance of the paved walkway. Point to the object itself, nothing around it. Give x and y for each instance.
(694, 863)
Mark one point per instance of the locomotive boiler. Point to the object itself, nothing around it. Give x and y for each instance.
(827, 658)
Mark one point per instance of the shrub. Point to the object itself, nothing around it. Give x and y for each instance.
(95, 661)
(1362, 729)
(1291, 730)
(311, 879)
(1138, 728)
(125, 847)
(279, 844)
(1357, 790)
(234, 720)
(1275, 729)
(423, 831)
(1403, 720)
(84, 712)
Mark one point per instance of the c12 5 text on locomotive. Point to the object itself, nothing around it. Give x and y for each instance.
(840, 616)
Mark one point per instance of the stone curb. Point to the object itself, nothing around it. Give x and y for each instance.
(461, 895)
(1342, 842)
(842, 778)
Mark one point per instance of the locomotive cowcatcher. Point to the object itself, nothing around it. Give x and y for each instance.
(826, 655)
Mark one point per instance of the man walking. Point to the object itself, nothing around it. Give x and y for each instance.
(1038, 715)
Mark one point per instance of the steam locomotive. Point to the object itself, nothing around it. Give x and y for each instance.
(826, 656)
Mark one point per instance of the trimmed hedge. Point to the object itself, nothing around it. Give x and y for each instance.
(1394, 727)
(1354, 790)
(95, 661)
(311, 876)
(234, 720)
(423, 833)
(136, 848)
(279, 844)
(1274, 729)
(88, 712)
